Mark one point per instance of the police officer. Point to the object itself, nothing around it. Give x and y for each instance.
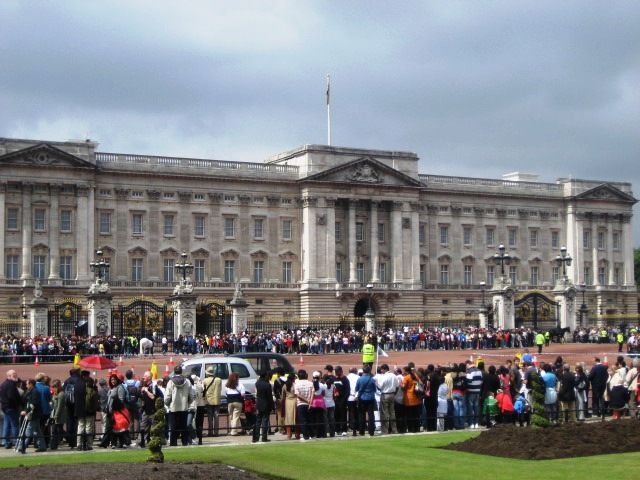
(368, 353)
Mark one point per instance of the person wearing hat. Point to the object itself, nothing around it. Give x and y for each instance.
(211, 390)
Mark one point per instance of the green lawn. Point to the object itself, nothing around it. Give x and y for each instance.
(405, 457)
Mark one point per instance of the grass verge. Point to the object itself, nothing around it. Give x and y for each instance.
(407, 457)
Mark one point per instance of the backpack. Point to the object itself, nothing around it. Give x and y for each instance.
(92, 403)
(460, 382)
(69, 392)
(131, 395)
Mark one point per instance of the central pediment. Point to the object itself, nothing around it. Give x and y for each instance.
(605, 192)
(44, 155)
(364, 171)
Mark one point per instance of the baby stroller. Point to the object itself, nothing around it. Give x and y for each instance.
(249, 410)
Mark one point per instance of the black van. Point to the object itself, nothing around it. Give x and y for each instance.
(266, 361)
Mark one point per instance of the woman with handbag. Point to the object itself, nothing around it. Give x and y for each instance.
(412, 400)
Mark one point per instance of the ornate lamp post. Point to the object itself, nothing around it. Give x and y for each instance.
(184, 267)
(564, 260)
(501, 258)
(100, 266)
(583, 308)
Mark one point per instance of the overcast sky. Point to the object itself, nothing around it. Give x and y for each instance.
(475, 88)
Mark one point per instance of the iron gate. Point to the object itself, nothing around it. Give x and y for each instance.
(535, 309)
(142, 318)
(212, 316)
(68, 317)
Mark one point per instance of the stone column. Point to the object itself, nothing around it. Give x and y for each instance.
(27, 228)
(82, 236)
(566, 297)
(503, 307)
(415, 243)
(99, 306)
(396, 241)
(309, 238)
(353, 254)
(184, 318)
(375, 258)
(239, 315)
(54, 234)
(331, 240)
(627, 248)
(3, 189)
(39, 315)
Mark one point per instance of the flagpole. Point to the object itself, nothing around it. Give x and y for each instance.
(328, 109)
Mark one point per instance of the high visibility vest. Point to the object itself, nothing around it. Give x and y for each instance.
(539, 339)
(368, 353)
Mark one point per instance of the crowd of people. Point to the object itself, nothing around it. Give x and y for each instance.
(15, 349)
(51, 412)
(451, 397)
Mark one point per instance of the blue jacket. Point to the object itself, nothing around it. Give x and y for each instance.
(366, 388)
(45, 397)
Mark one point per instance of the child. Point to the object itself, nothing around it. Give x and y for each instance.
(443, 391)
(249, 414)
(490, 410)
(523, 409)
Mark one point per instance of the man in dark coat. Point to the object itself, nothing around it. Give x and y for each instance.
(72, 421)
(598, 379)
(264, 407)
(567, 394)
(33, 415)
(11, 403)
(80, 410)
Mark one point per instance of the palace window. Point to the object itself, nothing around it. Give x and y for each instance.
(229, 271)
(105, 223)
(169, 268)
(65, 267)
(12, 218)
(136, 269)
(65, 221)
(287, 232)
(287, 272)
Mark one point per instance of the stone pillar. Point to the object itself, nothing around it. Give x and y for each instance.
(184, 318)
(415, 244)
(83, 235)
(331, 240)
(627, 248)
(353, 254)
(3, 189)
(375, 259)
(566, 297)
(39, 315)
(27, 228)
(396, 241)
(309, 238)
(239, 315)
(370, 321)
(99, 307)
(503, 306)
(54, 235)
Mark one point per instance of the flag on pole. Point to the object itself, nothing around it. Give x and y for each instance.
(381, 352)
(328, 88)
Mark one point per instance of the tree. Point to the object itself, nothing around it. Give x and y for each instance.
(157, 433)
(636, 264)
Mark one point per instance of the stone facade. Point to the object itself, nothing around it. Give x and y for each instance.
(304, 232)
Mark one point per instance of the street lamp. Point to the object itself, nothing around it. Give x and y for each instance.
(564, 260)
(501, 258)
(184, 267)
(369, 316)
(583, 308)
(100, 266)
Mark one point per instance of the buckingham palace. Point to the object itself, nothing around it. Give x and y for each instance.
(318, 233)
